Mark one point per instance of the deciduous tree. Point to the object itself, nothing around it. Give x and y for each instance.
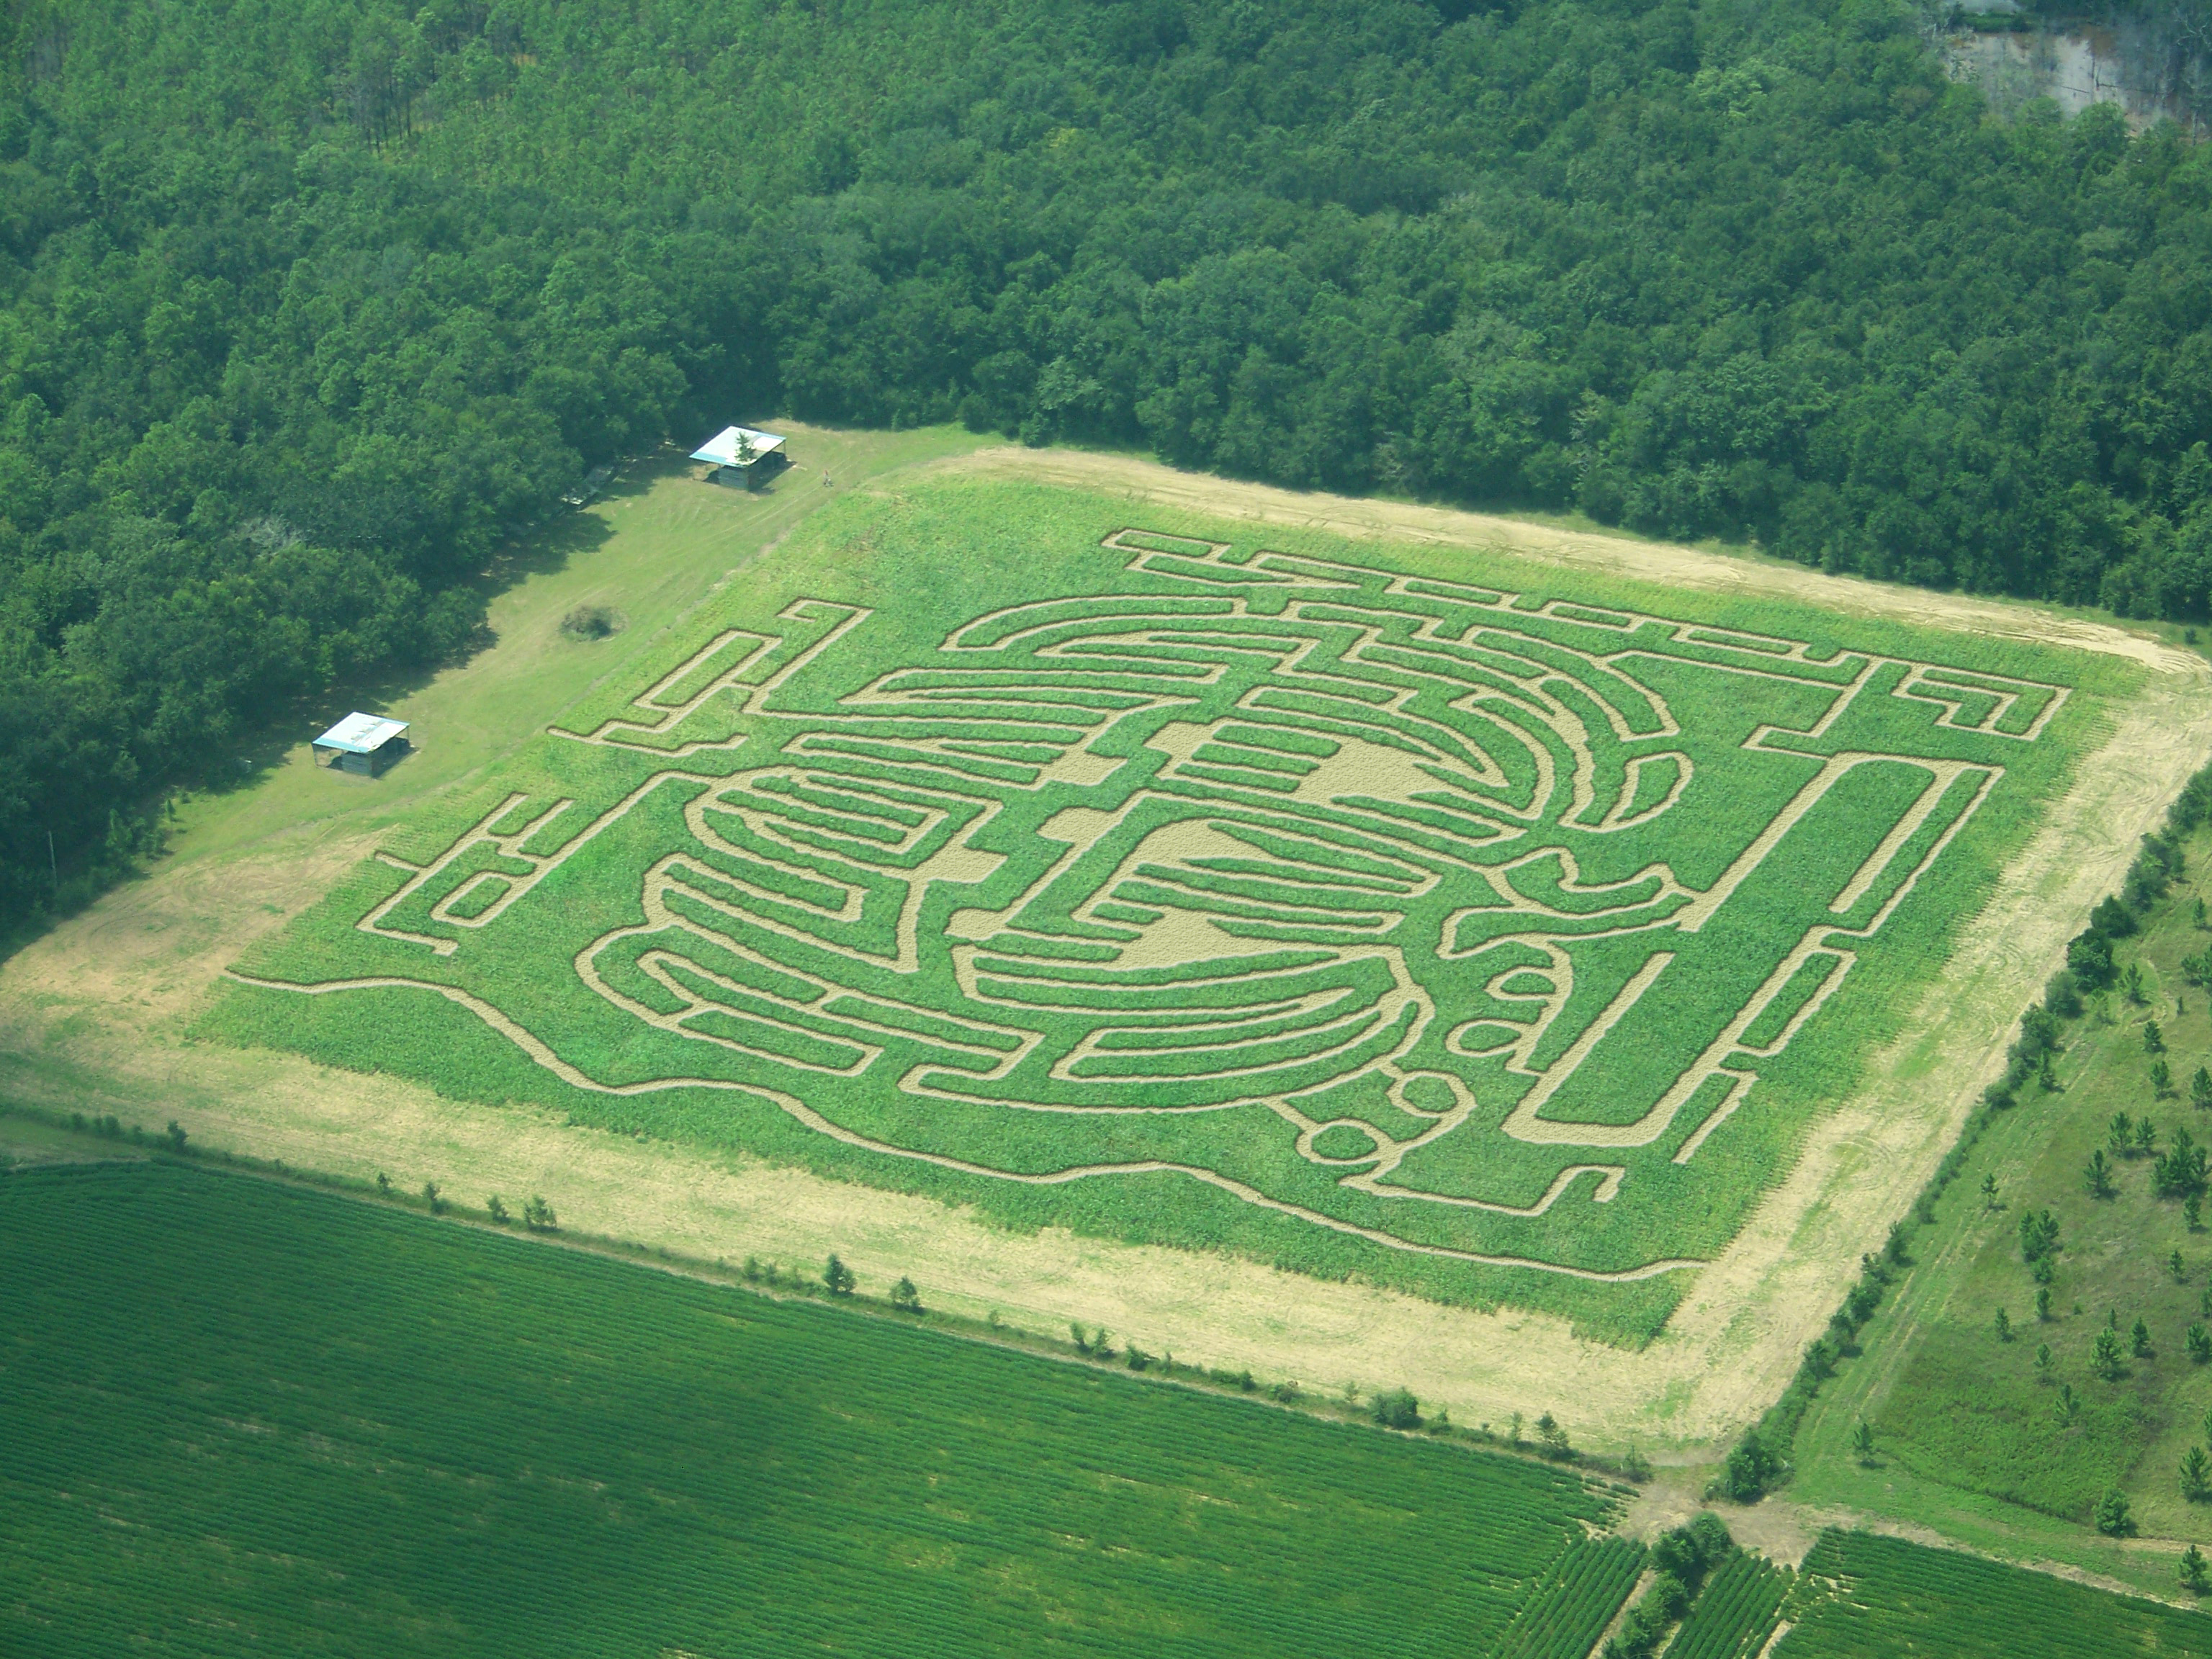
(1863, 1442)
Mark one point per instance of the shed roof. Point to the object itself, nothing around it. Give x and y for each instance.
(722, 447)
(361, 734)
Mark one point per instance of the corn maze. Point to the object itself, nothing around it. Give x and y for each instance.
(1441, 921)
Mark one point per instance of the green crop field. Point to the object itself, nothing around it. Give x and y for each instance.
(1396, 912)
(1861, 1596)
(242, 1417)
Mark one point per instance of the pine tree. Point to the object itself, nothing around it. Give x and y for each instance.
(1989, 1191)
(1863, 1442)
(2043, 1362)
(2120, 1132)
(2004, 1326)
(2105, 1356)
(2161, 1078)
(2153, 1039)
(2113, 1517)
(2043, 1304)
(2200, 1089)
(2197, 1475)
(2199, 1342)
(2194, 1577)
(2139, 1339)
(2097, 1175)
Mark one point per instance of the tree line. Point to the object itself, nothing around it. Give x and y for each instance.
(304, 307)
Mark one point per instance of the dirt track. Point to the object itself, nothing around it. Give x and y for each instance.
(96, 1011)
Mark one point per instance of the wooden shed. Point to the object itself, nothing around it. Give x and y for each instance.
(365, 743)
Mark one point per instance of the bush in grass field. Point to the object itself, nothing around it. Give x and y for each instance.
(1396, 1409)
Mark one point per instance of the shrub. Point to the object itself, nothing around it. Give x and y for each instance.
(1396, 1409)
(1552, 1438)
(2061, 994)
(2112, 919)
(1751, 1468)
(591, 621)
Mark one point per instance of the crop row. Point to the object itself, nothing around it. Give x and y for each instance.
(1736, 1612)
(1575, 1601)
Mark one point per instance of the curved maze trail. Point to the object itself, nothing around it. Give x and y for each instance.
(1445, 884)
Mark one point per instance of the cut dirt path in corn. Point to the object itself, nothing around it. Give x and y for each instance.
(93, 1019)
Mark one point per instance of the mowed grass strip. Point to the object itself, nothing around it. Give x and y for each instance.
(237, 1416)
(1864, 1596)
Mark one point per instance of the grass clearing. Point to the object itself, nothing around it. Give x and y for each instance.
(241, 1414)
(1975, 1433)
(1418, 918)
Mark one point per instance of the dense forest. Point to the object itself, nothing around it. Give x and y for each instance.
(304, 302)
